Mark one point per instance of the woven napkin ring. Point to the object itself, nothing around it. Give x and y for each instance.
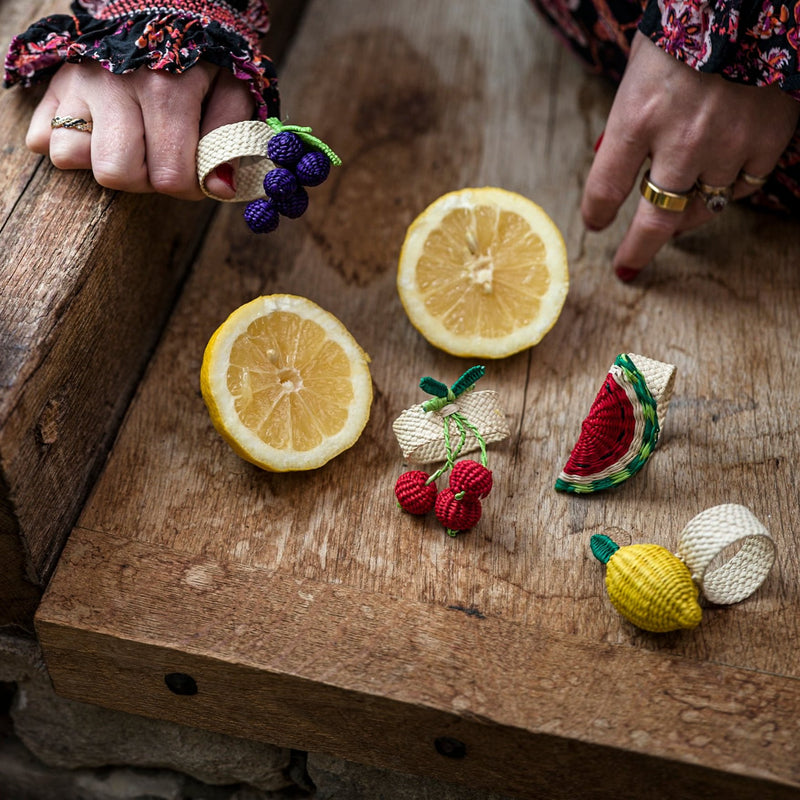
(457, 420)
(658, 591)
(623, 425)
(276, 164)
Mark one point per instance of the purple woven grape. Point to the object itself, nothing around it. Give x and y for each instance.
(261, 216)
(285, 149)
(295, 205)
(313, 168)
(279, 183)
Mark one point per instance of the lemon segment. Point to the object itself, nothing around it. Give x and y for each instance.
(483, 272)
(286, 384)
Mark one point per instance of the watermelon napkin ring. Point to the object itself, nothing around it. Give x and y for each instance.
(622, 427)
(277, 163)
(455, 421)
(658, 591)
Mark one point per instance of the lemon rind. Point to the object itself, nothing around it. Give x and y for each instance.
(221, 404)
(480, 346)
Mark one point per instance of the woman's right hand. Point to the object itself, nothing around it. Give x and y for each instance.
(692, 126)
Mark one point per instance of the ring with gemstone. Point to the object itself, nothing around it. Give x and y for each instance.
(714, 197)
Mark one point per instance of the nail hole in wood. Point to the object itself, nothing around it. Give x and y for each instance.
(451, 748)
(180, 683)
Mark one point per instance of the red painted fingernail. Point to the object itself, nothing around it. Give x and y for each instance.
(225, 174)
(626, 273)
(599, 141)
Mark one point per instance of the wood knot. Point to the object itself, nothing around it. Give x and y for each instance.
(47, 425)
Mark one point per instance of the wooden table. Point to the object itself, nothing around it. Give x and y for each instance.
(309, 611)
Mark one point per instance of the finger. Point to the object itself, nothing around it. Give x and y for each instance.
(118, 147)
(228, 101)
(171, 108)
(37, 138)
(650, 229)
(71, 148)
(695, 215)
(753, 175)
(611, 179)
(653, 227)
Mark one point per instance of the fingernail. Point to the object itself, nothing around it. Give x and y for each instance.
(626, 273)
(599, 141)
(225, 174)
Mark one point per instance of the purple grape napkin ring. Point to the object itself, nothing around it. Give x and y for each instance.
(288, 159)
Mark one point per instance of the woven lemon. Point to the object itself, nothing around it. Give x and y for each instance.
(658, 591)
(648, 585)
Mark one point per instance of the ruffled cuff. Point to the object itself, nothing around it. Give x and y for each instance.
(755, 42)
(123, 35)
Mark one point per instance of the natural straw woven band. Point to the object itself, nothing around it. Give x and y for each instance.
(419, 432)
(707, 535)
(660, 379)
(243, 140)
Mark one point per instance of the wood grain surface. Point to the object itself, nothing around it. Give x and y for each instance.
(310, 610)
(82, 304)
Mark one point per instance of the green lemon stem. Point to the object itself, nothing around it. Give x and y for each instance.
(603, 547)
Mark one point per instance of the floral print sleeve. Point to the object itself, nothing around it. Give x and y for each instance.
(756, 42)
(171, 35)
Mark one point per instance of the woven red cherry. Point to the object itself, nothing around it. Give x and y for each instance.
(414, 493)
(471, 478)
(457, 513)
(458, 507)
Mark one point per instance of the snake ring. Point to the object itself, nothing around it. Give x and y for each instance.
(75, 123)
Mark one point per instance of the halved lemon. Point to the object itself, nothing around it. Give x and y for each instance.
(286, 384)
(483, 272)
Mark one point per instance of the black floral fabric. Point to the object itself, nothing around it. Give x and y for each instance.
(124, 35)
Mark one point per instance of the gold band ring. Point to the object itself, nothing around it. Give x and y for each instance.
(669, 201)
(752, 180)
(715, 197)
(75, 123)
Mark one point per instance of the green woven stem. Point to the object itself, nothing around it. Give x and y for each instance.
(304, 133)
(443, 396)
(450, 458)
(477, 434)
(437, 403)
(603, 547)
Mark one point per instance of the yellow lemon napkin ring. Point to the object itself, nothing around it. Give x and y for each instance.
(714, 533)
(243, 140)
(658, 591)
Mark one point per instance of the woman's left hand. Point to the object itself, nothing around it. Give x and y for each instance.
(694, 127)
(146, 125)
